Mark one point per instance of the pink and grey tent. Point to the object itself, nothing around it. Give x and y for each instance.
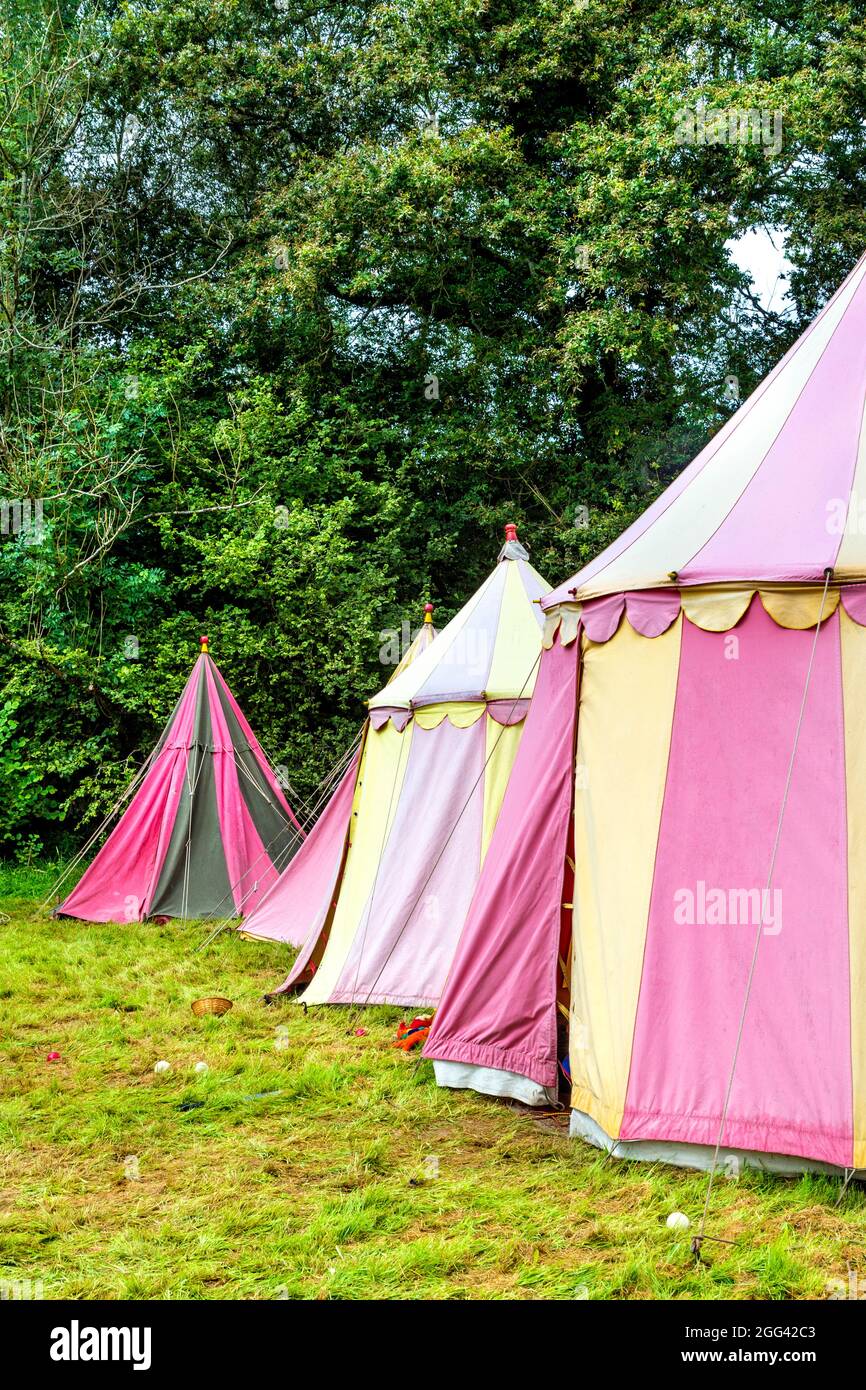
(208, 828)
(382, 894)
(696, 742)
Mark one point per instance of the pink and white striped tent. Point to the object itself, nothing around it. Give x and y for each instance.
(208, 829)
(377, 897)
(696, 749)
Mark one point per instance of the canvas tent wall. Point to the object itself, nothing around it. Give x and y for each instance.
(208, 828)
(438, 750)
(699, 702)
(296, 907)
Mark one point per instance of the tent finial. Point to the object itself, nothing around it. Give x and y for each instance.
(428, 612)
(204, 645)
(512, 549)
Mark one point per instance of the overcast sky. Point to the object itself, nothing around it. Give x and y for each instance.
(761, 254)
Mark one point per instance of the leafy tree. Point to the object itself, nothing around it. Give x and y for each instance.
(301, 301)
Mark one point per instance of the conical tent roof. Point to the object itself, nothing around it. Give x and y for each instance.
(421, 808)
(778, 494)
(208, 829)
(482, 653)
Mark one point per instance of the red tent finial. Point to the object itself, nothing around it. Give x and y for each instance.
(510, 531)
(204, 645)
(428, 612)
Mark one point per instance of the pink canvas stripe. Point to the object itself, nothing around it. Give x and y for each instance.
(256, 747)
(249, 865)
(728, 764)
(407, 934)
(118, 885)
(295, 909)
(565, 591)
(825, 422)
(180, 736)
(498, 1008)
(178, 732)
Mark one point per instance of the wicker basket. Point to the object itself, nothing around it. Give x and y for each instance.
(214, 1005)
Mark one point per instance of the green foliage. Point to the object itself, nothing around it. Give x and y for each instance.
(240, 242)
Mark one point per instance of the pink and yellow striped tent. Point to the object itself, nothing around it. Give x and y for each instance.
(696, 747)
(402, 851)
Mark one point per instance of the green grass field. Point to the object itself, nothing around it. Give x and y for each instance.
(119, 1183)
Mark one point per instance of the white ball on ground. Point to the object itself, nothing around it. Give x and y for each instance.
(678, 1221)
(162, 1067)
(202, 1067)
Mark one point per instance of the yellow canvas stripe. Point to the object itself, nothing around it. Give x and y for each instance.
(853, 687)
(608, 1116)
(628, 692)
(500, 751)
(422, 640)
(377, 796)
(518, 642)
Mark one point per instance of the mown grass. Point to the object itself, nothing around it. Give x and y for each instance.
(120, 1183)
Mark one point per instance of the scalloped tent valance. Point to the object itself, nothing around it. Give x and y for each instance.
(460, 714)
(718, 609)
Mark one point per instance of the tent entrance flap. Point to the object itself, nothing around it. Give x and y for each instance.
(499, 1007)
